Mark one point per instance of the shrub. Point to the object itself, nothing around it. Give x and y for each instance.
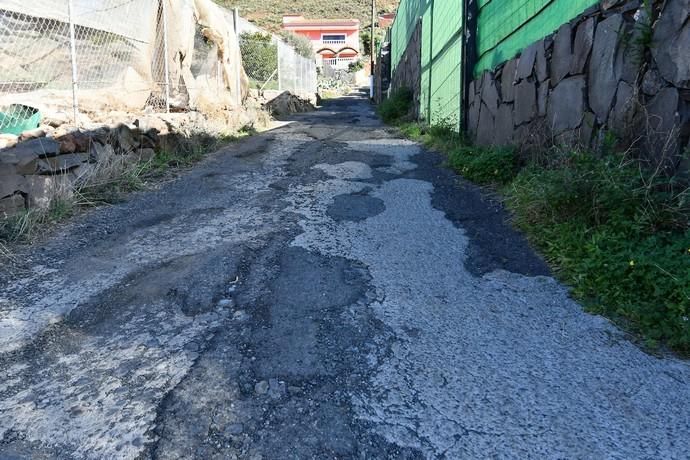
(618, 235)
(397, 107)
(300, 43)
(484, 165)
(259, 55)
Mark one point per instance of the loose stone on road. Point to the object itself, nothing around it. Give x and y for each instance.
(323, 290)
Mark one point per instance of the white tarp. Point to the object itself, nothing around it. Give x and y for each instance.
(128, 18)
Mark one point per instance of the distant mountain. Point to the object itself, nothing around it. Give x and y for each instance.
(269, 13)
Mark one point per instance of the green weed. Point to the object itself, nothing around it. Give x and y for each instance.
(397, 107)
(615, 230)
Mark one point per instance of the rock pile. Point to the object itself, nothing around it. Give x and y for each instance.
(619, 67)
(36, 165)
(286, 103)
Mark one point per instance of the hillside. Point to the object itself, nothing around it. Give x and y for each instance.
(269, 13)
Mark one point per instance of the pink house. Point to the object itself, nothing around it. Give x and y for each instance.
(335, 41)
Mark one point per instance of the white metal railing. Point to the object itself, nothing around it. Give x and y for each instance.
(333, 42)
(340, 62)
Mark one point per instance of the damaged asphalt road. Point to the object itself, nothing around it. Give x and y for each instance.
(323, 290)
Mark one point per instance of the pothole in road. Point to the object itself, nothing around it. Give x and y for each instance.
(355, 207)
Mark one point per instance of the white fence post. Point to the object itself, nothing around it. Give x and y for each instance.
(166, 69)
(73, 56)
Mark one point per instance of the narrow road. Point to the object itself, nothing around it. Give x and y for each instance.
(323, 290)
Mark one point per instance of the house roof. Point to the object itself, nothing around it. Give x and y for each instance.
(296, 20)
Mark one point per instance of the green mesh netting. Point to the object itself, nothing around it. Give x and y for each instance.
(506, 27)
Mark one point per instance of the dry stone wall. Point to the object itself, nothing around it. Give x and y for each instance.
(620, 68)
(408, 73)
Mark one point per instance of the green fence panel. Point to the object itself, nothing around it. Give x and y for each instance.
(445, 81)
(506, 27)
(407, 15)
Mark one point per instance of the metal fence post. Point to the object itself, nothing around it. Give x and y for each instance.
(280, 85)
(73, 56)
(238, 67)
(166, 69)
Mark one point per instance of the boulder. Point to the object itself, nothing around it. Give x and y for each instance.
(671, 42)
(12, 205)
(485, 127)
(61, 163)
(508, 80)
(526, 62)
(100, 152)
(561, 58)
(566, 105)
(541, 67)
(543, 98)
(473, 115)
(74, 141)
(124, 139)
(141, 155)
(525, 102)
(623, 112)
(25, 156)
(44, 189)
(582, 47)
(602, 78)
(490, 95)
(587, 129)
(11, 182)
(662, 111)
(504, 125)
(652, 82)
(31, 134)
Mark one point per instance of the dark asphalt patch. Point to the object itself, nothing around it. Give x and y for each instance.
(493, 243)
(355, 207)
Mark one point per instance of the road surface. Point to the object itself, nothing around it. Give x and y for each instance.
(323, 290)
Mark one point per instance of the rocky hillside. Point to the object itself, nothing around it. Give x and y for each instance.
(268, 13)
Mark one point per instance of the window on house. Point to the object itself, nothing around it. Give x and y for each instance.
(333, 38)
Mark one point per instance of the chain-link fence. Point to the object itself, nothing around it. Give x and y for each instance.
(80, 56)
(57, 52)
(76, 56)
(272, 64)
(260, 60)
(296, 73)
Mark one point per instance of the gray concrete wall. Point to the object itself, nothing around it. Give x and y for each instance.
(618, 68)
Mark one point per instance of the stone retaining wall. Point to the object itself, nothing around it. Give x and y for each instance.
(619, 68)
(408, 73)
(53, 161)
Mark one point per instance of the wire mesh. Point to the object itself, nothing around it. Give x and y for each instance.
(296, 73)
(260, 60)
(94, 55)
(34, 55)
(56, 52)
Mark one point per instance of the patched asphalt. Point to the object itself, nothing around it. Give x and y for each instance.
(323, 290)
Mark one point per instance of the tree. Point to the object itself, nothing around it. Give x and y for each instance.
(259, 55)
(300, 43)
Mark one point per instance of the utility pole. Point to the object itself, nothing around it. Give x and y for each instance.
(372, 47)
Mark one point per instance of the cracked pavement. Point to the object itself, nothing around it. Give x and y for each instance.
(322, 290)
